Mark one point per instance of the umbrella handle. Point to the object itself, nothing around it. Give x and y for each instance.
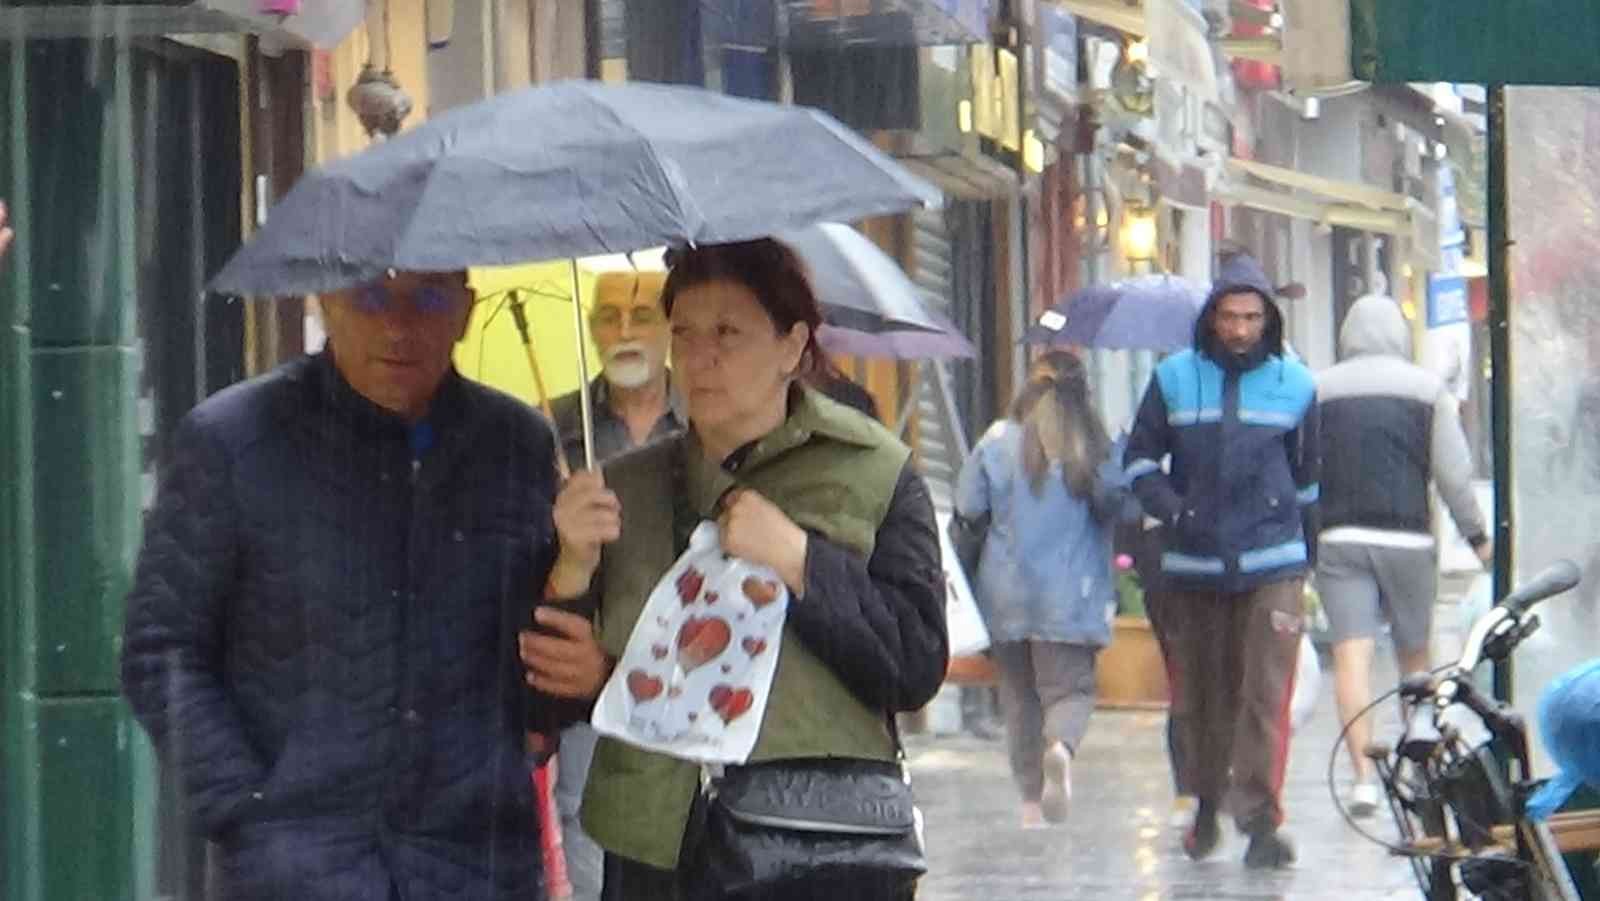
(584, 401)
(520, 316)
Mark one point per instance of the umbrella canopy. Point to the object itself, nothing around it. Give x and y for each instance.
(871, 307)
(897, 345)
(565, 170)
(1150, 312)
(860, 285)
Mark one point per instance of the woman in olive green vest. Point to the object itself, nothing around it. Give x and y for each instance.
(820, 493)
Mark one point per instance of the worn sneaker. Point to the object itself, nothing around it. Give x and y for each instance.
(1032, 816)
(1363, 800)
(1203, 834)
(1182, 812)
(1269, 850)
(1057, 783)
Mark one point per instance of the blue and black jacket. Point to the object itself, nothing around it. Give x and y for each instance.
(1240, 495)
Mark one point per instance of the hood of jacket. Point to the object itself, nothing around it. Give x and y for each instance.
(1374, 326)
(1240, 273)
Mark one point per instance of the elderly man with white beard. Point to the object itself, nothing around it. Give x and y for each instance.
(634, 404)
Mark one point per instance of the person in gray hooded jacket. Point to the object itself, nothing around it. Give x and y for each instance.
(1389, 428)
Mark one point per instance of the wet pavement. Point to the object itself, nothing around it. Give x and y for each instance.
(1118, 842)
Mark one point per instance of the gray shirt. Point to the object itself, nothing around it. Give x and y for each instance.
(611, 435)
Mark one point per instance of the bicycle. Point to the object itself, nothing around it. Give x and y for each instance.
(1458, 799)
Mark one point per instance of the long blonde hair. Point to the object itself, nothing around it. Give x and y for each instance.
(1059, 425)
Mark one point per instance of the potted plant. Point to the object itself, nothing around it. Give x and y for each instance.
(1132, 672)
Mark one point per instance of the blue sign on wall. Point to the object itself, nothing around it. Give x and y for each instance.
(1447, 300)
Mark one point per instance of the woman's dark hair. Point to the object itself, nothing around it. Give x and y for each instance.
(770, 270)
(1060, 424)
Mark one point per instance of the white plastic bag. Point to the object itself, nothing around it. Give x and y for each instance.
(1307, 684)
(694, 678)
(962, 618)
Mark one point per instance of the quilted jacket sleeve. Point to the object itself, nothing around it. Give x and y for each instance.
(879, 622)
(173, 640)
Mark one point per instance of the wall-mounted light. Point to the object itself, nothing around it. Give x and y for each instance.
(964, 116)
(1032, 152)
(1140, 237)
(1137, 52)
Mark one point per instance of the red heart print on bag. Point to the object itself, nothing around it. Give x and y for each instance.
(753, 645)
(701, 639)
(658, 651)
(643, 686)
(731, 703)
(689, 585)
(761, 593)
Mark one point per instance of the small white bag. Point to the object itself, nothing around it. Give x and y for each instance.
(1307, 684)
(694, 678)
(963, 620)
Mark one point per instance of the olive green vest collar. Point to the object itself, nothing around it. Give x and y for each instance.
(811, 413)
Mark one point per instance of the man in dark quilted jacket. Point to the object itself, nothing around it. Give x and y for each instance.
(321, 636)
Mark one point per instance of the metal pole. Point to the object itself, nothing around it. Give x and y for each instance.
(1500, 361)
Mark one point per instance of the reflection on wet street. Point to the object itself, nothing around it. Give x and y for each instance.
(1117, 842)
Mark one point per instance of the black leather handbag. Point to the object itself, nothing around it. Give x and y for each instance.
(819, 822)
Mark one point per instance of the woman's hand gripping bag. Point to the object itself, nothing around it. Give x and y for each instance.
(695, 676)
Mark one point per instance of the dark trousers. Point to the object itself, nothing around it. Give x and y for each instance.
(630, 880)
(1236, 656)
(1047, 689)
(1164, 613)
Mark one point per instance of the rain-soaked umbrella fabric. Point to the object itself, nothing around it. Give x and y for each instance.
(859, 286)
(566, 170)
(896, 345)
(1148, 312)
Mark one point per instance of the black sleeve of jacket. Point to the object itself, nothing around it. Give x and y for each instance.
(1149, 443)
(879, 623)
(1305, 460)
(173, 633)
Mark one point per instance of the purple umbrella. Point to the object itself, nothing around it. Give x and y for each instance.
(1148, 312)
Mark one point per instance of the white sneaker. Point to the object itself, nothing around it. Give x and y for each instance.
(1057, 783)
(1363, 800)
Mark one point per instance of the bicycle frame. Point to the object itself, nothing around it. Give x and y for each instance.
(1459, 807)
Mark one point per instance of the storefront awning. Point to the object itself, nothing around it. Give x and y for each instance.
(311, 23)
(1331, 202)
(1332, 42)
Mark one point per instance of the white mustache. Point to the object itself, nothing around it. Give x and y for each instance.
(637, 347)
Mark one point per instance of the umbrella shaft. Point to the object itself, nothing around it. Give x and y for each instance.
(585, 402)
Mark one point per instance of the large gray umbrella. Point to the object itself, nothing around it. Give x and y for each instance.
(565, 170)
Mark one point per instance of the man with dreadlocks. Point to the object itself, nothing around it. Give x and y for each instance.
(1237, 418)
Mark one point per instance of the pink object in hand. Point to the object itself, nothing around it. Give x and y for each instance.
(1124, 562)
(280, 7)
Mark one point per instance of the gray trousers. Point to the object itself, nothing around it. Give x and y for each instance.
(585, 860)
(1048, 690)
